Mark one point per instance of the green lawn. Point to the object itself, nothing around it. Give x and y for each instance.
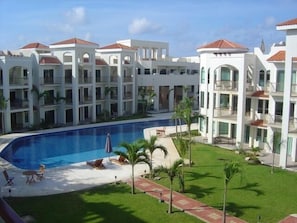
(106, 204)
(256, 193)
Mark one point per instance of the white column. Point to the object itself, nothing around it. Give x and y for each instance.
(75, 95)
(241, 105)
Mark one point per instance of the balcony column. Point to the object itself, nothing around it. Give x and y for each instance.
(294, 152)
(230, 104)
(241, 104)
(93, 88)
(211, 108)
(6, 95)
(75, 95)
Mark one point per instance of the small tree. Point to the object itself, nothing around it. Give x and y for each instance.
(134, 154)
(172, 172)
(230, 170)
(150, 146)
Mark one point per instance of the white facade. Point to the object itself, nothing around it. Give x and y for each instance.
(74, 81)
(247, 99)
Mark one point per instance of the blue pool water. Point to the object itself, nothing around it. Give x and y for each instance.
(68, 147)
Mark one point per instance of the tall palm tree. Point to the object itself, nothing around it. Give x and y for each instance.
(230, 170)
(177, 116)
(150, 146)
(182, 149)
(186, 111)
(172, 172)
(3, 106)
(134, 154)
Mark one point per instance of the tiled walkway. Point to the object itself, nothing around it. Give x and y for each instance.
(184, 203)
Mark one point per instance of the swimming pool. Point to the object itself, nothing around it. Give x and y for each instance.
(72, 146)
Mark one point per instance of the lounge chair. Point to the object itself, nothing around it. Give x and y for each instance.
(121, 160)
(9, 180)
(40, 173)
(96, 164)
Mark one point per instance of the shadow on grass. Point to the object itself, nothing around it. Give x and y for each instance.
(200, 192)
(110, 213)
(251, 187)
(235, 209)
(191, 176)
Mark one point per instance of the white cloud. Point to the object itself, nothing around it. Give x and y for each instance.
(76, 15)
(142, 25)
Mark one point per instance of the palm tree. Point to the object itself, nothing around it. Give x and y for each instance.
(151, 95)
(134, 154)
(177, 116)
(3, 106)
(150, 146)
(182, 149)
(230, 170)
(172, 172)
(186, 112)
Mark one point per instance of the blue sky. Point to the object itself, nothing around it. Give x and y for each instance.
(185, 25)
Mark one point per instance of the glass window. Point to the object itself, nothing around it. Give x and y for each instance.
(202, 99)
(261, 78)
(202, 75)
(225, 74)
(223, 128)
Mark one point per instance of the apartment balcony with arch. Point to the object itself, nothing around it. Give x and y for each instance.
(18, 76)
(226, 85)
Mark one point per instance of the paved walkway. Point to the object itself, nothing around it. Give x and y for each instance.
(184, 203)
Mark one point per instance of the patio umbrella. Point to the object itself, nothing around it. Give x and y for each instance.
(108, 146)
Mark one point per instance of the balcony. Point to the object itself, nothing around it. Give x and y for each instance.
(19, 104)
(276, 122)
(85, 80)
(224, 112)
(85, 100)
(276, 89)
(18, 81)
(128, 79)
(226, 86)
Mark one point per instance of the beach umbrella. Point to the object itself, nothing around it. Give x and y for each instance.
(108, 146)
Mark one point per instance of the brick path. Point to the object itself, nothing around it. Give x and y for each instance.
(184, 203)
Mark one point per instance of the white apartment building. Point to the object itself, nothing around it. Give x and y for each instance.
(75, 81)
(248, 99)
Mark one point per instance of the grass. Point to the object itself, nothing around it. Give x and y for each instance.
(109, 203)
(255, 193)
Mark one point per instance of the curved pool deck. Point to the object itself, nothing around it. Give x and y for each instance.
(80, 176)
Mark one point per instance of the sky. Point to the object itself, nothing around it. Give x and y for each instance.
(185, 25)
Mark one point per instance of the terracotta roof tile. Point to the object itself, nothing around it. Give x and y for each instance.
(100, 62)
(259, 94)
(279, 57)
(49, 60)
(75, 41)
(289, 22)
(117, 46)
(223, 44)
(35, 46)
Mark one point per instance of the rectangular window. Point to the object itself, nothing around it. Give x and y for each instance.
(280, 78)
(202, 76)
(259, 132)
(225, 74)
(260, 106)
(202, 99)
(147, 71)
(98, 75)
(261, 78)
(223, 128)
